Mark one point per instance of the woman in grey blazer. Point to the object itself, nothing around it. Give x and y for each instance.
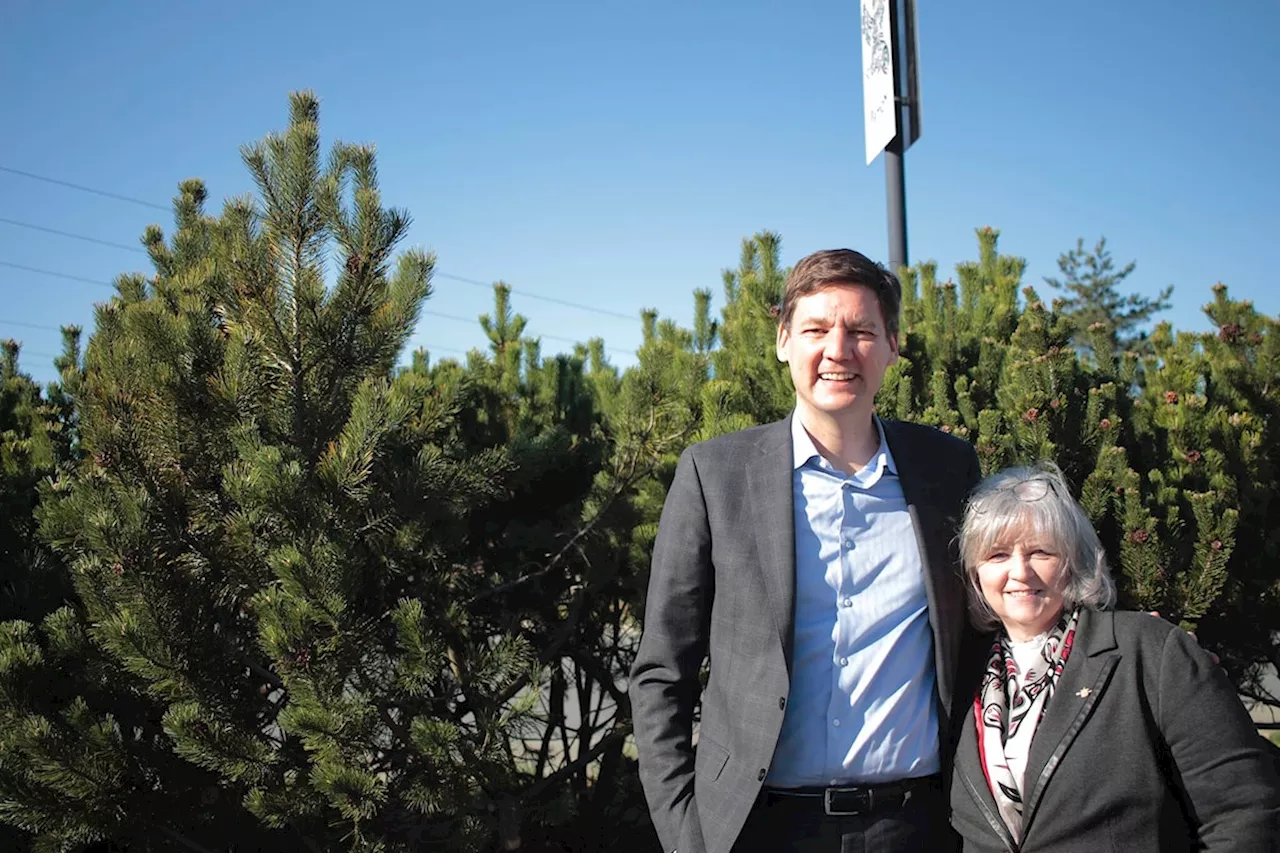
(1092, 730)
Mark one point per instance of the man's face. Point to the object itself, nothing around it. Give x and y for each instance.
(838, 350)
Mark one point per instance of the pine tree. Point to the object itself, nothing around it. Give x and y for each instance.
(1167, 453)
(274, 538)
(37, 446)
(1092, 281)
(312, 601)
(32, 584)
(550, 578)
(752, 387)
(1215, 398)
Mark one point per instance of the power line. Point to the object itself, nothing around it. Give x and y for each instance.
(463, 279)
(27, 352)
(559, 338)
(22, 351)
(42, 328)
(430, 312)
(84, 189)
(528, 295)
(17, 223)
(53, 274)
(447, 349)
(84, 237)
(36, 326)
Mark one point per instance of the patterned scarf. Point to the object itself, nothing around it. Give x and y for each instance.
(1002, 707)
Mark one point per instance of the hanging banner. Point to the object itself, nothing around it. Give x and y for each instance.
(879, 113)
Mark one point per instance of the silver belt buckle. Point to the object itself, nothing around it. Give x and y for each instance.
(835, 801)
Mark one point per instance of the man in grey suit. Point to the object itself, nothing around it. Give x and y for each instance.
(812, 561)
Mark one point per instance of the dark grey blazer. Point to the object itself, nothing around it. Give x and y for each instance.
(1144, 747)
(723, 584)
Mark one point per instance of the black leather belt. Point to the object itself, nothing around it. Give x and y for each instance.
(855, 799)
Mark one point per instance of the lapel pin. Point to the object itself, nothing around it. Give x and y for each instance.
(1084, 692)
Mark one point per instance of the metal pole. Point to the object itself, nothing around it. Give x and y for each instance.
(895, 186)
(894, 175)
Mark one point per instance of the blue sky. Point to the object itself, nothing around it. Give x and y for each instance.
(616, 154)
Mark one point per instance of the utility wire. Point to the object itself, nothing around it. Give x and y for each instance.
(560, 338)
(25, 351)
(34, 354)
(456, 318)
(53, 274)
(463, 279)
(16, 223)
(84, 189)
(538, 296)
(36, 326)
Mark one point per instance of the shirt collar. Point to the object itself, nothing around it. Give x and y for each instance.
(803, 450)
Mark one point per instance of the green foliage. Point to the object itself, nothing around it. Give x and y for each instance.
(1104, 319)
(1172, 454)
(37, 444)
(265, 586)
(757, 388)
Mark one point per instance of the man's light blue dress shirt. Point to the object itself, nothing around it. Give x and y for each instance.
(862, 706)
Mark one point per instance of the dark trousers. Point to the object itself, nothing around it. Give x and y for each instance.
(800, 825)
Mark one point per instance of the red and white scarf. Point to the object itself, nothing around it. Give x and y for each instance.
(1005, 704)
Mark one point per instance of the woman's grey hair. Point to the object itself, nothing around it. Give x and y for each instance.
(1017, 501)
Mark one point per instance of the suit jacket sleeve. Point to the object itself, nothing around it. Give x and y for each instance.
(665, 684)
(974, 644)
(1220, 762)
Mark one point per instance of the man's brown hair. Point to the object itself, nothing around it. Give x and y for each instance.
(832, 267)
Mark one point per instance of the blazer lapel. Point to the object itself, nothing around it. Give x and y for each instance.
(934, 534)
(968, 764)
(1083, 681)
(769, 481)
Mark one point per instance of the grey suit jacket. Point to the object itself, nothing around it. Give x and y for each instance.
(1143, 747)
(722, 585)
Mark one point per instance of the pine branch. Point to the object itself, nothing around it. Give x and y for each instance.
(1260, 696)
(581, 762)
(559, 557)
(178, 838)
(602, 677)
(397, 728)
(304, 838)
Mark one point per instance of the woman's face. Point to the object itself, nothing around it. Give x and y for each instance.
(1022, 579)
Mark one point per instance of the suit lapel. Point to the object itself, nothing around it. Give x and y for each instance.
(934, 531)
(1084, 680)
(769, 480)
(968, 764)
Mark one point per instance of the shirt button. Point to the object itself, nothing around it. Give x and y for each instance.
(844, 661)
(760, 776)
(848, 543)
(835, 723)
(848, 602)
